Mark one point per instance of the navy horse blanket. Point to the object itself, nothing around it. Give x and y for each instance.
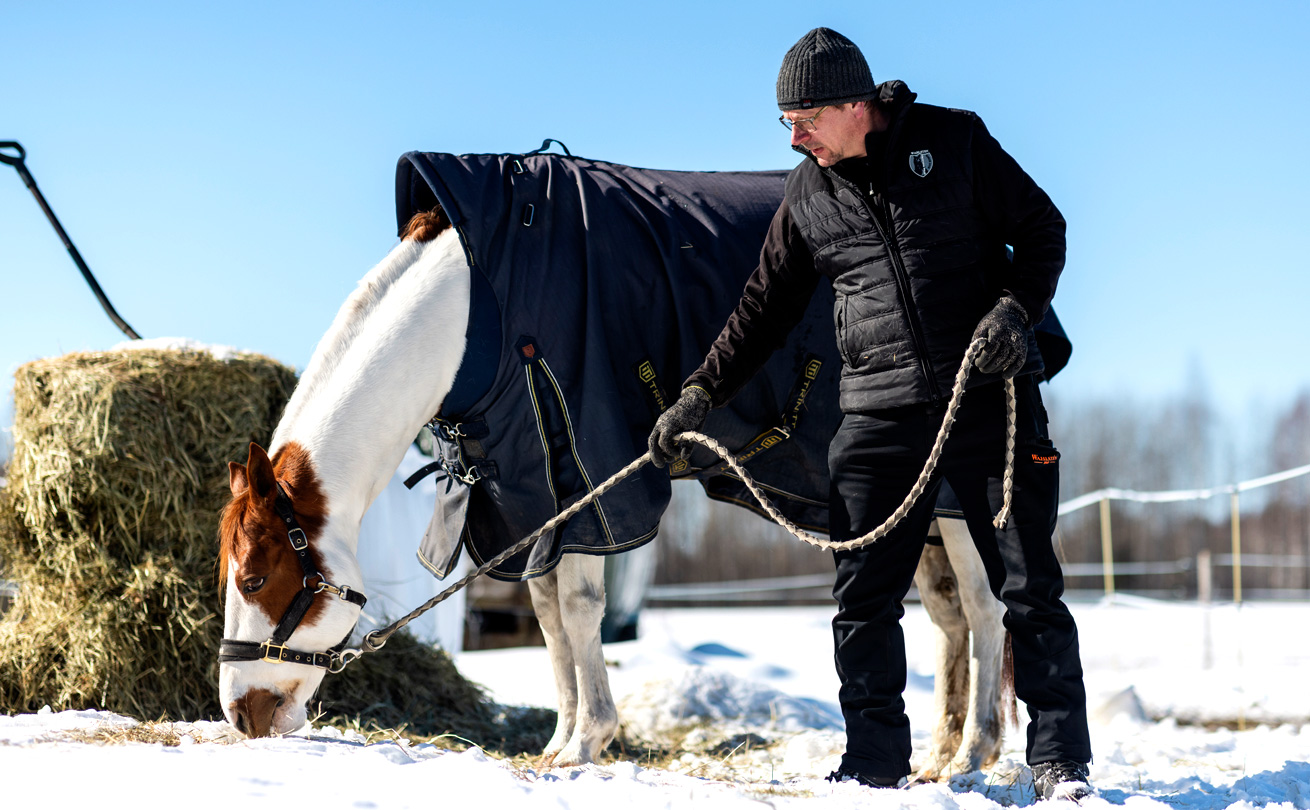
(597, 289)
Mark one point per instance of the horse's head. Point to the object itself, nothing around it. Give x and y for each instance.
(281, 619)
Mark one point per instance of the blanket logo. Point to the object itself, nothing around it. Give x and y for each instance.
(921, 162)
(792, 416)
(645, 371)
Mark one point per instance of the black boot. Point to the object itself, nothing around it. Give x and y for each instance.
(1061, 780)
(847, 775)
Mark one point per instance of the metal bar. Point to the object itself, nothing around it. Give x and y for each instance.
(1127, 569)
(761, 599)
(698, 590)
(1263, 561)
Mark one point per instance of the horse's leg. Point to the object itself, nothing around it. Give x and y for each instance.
(982, 735)
(940, 595)
(546, 604)
(581, 582)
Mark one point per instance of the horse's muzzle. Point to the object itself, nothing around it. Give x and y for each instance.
(252, 713)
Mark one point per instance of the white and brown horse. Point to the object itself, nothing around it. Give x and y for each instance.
(377, 376)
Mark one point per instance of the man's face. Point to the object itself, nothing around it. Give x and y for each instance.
(838, 133)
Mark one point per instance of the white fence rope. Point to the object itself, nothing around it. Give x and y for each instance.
(1115, 494)
(1103, 497)
(751, 589)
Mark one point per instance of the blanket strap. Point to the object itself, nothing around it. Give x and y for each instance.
(546, 145)
(787, 423)
(459, 453)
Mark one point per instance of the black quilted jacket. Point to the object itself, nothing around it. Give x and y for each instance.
(913, 241)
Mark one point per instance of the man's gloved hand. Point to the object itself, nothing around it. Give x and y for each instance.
(688, 413)
(1005, 329)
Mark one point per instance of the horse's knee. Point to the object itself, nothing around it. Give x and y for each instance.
(582, 586)
(939, 591)
(546, 606)
(587, 598)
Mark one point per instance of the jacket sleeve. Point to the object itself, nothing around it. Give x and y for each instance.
(774, 301)
(1019, 211)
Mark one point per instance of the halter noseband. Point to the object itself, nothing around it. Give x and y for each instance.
(275, 650)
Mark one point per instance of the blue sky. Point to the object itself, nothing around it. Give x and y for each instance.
(227, 169)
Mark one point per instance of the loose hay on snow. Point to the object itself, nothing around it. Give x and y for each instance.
(109, 527)
(411, 688)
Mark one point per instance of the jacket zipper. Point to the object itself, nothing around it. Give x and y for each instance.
(903, 283)
(903, 279)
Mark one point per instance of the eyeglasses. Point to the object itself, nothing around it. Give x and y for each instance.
(805, 124)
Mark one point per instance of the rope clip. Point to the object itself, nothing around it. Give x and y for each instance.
(341, 659)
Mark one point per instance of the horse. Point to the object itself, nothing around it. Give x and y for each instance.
(288, 537)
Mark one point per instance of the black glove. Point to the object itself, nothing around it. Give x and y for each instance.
(688, 413)
(1005, 329)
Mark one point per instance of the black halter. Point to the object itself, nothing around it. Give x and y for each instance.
(275, 650)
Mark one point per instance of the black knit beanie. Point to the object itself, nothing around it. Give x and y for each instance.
(823, 68)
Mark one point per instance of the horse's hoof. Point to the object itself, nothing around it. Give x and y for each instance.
(967, 765)
(572, 756)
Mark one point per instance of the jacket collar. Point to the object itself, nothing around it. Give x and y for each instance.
(895, 98)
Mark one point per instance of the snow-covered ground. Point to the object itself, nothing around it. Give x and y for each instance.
(1169, 685)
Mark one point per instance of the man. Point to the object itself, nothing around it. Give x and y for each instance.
(907, 209)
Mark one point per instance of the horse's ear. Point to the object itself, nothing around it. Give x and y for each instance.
(259, 474)
(237, 479)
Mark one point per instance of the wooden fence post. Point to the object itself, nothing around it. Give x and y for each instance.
(1204, 576)
(1204, 593)
(1107, 549)
(1237, 548)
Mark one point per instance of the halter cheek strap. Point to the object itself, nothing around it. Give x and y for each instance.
(275, 650)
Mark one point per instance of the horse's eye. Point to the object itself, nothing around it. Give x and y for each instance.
(252, 585)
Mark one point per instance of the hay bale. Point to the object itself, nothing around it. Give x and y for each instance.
(109, 521)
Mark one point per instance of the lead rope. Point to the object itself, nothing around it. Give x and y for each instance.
(375, 640)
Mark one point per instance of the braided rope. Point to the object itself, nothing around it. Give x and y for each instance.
(916, 491)
(376, 639)
(1007, 482)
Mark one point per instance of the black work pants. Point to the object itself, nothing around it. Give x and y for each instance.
(874, 460)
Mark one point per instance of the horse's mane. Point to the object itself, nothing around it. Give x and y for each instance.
(422, 228)
(228, 526)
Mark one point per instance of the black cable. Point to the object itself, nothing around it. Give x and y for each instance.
(17, 161)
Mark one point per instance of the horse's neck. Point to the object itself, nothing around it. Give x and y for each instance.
(379, 374)
(348, 323)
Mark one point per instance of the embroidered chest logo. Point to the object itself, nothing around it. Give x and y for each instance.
(921, 162)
